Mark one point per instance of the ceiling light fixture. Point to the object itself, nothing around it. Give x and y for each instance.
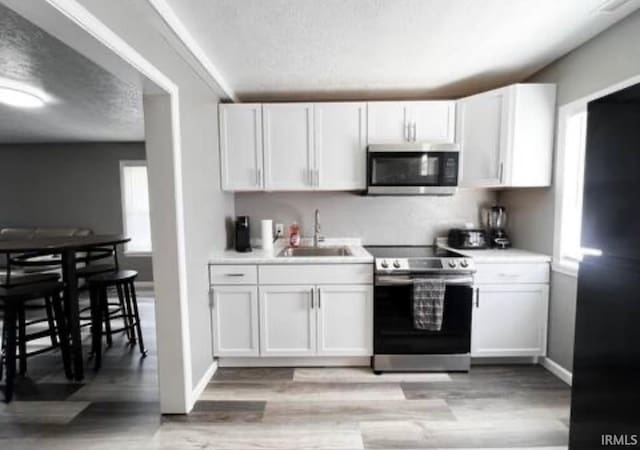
(21, 95)
(19, 98)
(610, 6)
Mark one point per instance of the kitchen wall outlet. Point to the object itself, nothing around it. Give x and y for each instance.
(279, 230)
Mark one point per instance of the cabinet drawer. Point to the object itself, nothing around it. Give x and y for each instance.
(316, 274)
(512, 273)
(233, 274)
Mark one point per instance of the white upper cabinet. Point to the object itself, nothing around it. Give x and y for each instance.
(481, 122)
(424, 121)
(387, 122)
(433, 121)
(340, 159)
(241, 147)
(288, 146)
(506, 136)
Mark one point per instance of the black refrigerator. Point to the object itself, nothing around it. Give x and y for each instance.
(605, 405)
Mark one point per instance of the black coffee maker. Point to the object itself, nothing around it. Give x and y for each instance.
(242, 234)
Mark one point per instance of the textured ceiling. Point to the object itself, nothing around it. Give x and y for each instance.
(287, 49)
(88, 103)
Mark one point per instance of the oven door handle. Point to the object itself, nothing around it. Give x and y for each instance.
(387, 280)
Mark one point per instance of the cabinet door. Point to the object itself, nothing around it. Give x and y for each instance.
(483, 137)
(235, 320)
(345, 320)
(288, 146)
(341, 146)
(433, 121)
(387, 122)
(510, 320)
(241, 147)
(287, 321)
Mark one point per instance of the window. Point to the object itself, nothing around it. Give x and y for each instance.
(135, 206)
(570, 182)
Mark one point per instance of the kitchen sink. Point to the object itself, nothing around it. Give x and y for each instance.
(314, 251)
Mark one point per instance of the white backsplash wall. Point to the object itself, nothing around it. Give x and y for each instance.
(377, 220)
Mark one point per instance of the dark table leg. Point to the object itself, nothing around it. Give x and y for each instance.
(72, 309)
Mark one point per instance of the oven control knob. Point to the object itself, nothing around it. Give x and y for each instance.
(452, 264)
(396, 264)
(464, 263)
(384, 264)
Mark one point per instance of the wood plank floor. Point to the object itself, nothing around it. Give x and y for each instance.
(497, 407)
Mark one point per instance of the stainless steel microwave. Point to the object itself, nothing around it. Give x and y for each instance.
(412, 169)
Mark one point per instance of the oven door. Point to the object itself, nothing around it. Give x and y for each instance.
(412, 172)
(394, 332)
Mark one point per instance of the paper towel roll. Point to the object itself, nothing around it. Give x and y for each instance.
(267, 234)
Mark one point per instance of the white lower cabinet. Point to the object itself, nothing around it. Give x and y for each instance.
(327, 320)
(257, 311)
(235, 320)
(345, 320)
(510, 320)
(287, 321)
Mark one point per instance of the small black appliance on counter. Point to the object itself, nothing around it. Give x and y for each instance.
(242, 234)
(467, 239)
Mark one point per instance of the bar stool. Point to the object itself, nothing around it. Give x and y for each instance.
(123, 280)
(97, 262)
(12, 280)
(14, 299)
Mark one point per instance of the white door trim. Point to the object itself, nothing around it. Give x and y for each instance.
(174, 398)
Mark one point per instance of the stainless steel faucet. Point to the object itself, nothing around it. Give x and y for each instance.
(317, 238)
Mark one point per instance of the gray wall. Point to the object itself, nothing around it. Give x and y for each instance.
(67, 185)
(206, 211)
(377, 220)
(608, 59)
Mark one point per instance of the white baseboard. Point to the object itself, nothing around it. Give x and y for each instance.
(143, 284)
(202, 384)
(492, 360)
(289, 361)
(557, 370)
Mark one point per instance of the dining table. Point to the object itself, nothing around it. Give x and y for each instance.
(67, 248)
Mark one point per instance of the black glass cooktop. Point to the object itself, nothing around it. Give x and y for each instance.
(410, 251)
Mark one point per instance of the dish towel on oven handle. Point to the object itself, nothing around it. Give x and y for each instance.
(428, 303)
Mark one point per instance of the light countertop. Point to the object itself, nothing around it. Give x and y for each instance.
(261, 256)
(510, 255)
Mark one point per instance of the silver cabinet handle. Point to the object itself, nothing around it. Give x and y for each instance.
(501, 173)
(212, 303)
(407, 131)
(312, 291)
(477, 297)
(234, 274)
(319, 298)
(415, 132)
(317, 177)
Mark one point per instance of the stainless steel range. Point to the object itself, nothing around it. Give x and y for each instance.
(398, 344)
